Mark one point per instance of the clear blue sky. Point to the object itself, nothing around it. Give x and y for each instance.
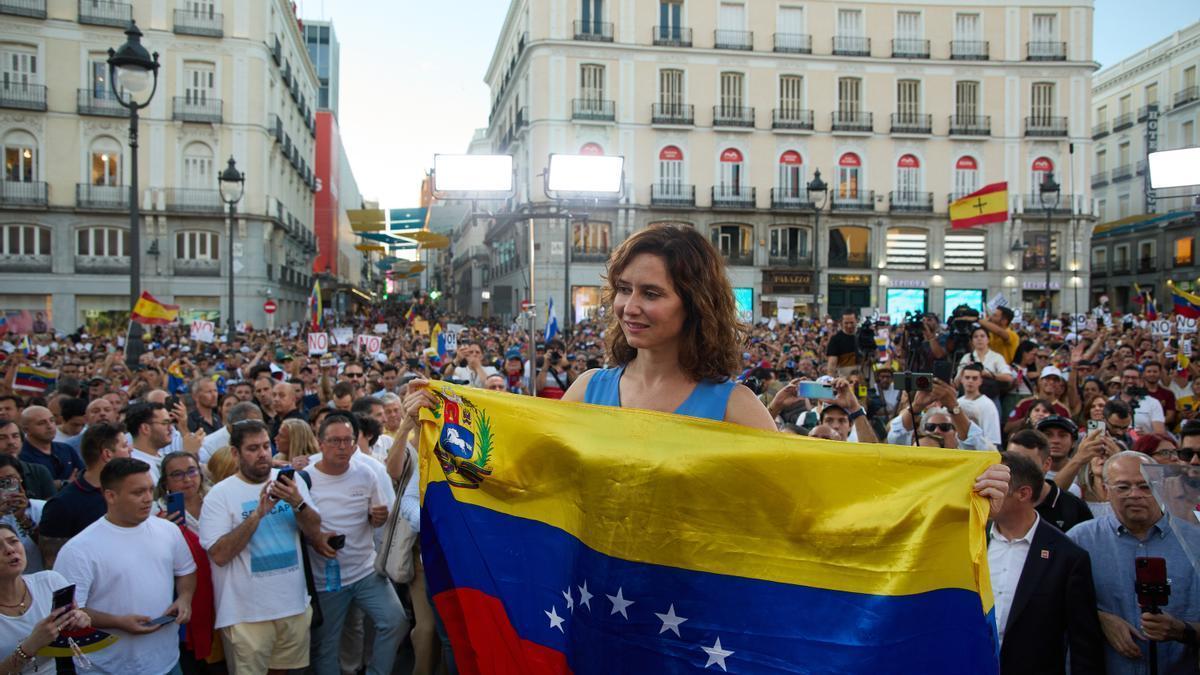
(412, 75)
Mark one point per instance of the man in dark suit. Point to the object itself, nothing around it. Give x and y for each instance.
(1042, 584)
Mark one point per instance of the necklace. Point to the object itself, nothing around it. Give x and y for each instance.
(21, 604)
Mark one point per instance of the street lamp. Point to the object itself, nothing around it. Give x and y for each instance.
(233, 185)
(1049, 192)
(818, 193)
(133, 68)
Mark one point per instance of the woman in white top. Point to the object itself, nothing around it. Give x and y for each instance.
(994, 365)
(26, 622)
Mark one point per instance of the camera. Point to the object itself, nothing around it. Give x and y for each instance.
(911, 382)
(865, 338)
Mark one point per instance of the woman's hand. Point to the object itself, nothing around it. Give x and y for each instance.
(47, 630)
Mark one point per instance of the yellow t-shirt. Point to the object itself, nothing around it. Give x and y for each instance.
(1009, 350)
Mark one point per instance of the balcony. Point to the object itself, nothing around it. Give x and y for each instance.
(911, 202)
(34, 9)
(846, 45)
(1099, 130)
(105, 13)
(1045, 51)
(88, 196)
(728, 197)
(1147, 264)
(672, 195)
(791, 199)
(193, 200)
(198, 22)
(1121, 266)
(1123, 121)
(25, 264)
(192, 109)
(1045, 127)
(197, 267)
(276, 50)
(852, 121)
(673, 114)
(521, 120)
(1099, 268)
(791, 119)
(738, 40)
(87, 102)
(1099, 179)
(593, 31)
(102, 264)
(910, 48)
(1033, 205)
(853, 261)
(861, 200)
(793, 43)
(792, 260)
(1122, 173)
(275, 127)
(23, 96)
(672, 36)
(738, 258)
(912, 123)
(970, 125)
(592, 255)
(593, 110)
(19, 193)
(969, 50)
(732, 116)
(1186, 95)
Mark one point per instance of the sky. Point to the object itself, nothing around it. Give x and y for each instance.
(412, 75)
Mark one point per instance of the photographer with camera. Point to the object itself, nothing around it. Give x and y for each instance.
(1148, 417)
(941, 400)
(924, 342)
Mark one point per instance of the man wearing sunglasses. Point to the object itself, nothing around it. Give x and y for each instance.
(938, 408)
(1189, 442)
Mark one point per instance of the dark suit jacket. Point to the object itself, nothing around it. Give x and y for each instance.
(1053, 609)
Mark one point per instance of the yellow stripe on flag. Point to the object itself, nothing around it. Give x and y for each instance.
(148, 310)
(984, 206)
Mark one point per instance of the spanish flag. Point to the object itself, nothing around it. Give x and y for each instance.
(1186, 304)
(151, 312)
(550, 548)
(982, 207)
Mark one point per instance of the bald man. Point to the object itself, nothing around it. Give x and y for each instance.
(101, 411)
(39, 447)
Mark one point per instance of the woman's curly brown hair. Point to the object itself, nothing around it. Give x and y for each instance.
(711, 343)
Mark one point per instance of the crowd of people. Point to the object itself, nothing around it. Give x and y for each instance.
(219, 506)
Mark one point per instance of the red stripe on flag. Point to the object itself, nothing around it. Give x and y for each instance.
(485, 641)
(986, 219)
(988, 189)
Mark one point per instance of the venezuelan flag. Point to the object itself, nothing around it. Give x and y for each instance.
(1186, 304)
(982, 207)
(34, 379)
(437, 342)
(151, 312)
(315, 310)
(568, 538)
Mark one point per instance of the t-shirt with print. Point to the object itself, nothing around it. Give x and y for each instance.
(345, 501)
(265, 581)
(129, 570)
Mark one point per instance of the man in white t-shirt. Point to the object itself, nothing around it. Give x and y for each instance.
(978, 407)
(128, 570)
(470, 368)
(250, 525)
(351, 504)
(1148, 417)
(149, 424)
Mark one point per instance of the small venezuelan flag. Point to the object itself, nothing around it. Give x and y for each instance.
(151, 312)
(1186, 304)
(982, 207)
(34, 379)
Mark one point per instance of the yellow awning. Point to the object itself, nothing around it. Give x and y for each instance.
(427, 239)
(371, 248)
(366, 220)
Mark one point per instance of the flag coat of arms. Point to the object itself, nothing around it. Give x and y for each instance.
(570, 538)
(986, 205)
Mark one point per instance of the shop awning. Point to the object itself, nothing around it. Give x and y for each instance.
(1129, 223)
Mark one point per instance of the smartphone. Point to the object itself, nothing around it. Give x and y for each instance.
(814, 390)
(1151, 582)
(174, 505)
(160, 621)
(63, 597)
(944, 371)
(337, 542)
(287, 471)
(1093, 425)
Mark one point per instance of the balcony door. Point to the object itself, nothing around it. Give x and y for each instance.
(198, 168)
(670, 171)
(908, 179)
(791, 175)
(732, 168)
(200, 81)
(18, 68)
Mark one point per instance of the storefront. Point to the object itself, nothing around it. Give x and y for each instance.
(1033, 296)
(795, 285)
(849, 292)
(906, 296)
(103, 314)
(198, 307)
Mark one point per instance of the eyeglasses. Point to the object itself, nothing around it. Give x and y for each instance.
(1118, 429)
(1169, 453)
(1125, 489)
(354, 375)
(939, 426)
(339, 442)
(180, 475)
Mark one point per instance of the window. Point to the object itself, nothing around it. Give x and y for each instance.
(1102, 115)
(967, 27)
(908, 100)
(105, 162)
(908, 178)
(201, 8)
(1121, 258)
(732, 168)
(1124, 105)
(907, 248)
(966, 176)
(1122, 206)
(1123, 154)
(1187, 134)
(18, 66)
(1183, 251)
(198, 167)
(670, 90)
(1099, 259)
(792, 184)
(848, 247)
(732, 16)
(849, 175)
(849, 96)
(670, 20)
(1045, 28)
(1041, 166)
(1102, 210)
(591, 237)
(965, 250)
(1152, 94)
(1036, 256)
(670, 171)
(1101, 160)
(790, 242)
(24, 240)
(591, 82)
(20, 157)
(102, 242)
(1189, 77)
(1145, 256)
(197, 245)
(791, 96)
(850, 23)
(199, 83)
(908, 27)
(734, 241)
(791, 21)
(731, 94)
(1042, 102)
(98, 77)
(593, 15)
(966, 99)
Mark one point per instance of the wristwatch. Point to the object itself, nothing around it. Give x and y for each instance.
(300, 509)
(956, 410)
(857, 414)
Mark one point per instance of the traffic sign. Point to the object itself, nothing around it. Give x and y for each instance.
(269, 306)
(526, 305)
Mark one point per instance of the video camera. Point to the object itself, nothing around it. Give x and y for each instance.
(865, 338)
(961, 320)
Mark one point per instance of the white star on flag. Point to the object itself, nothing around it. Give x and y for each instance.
(619, 604)
(556, 621)
(670, 621)
(716, 654)
(570, 600)
(585, 598)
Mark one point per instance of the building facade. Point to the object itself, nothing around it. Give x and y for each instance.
(724, 111)
(325, 52)
(1149, 101)
(235, 81)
